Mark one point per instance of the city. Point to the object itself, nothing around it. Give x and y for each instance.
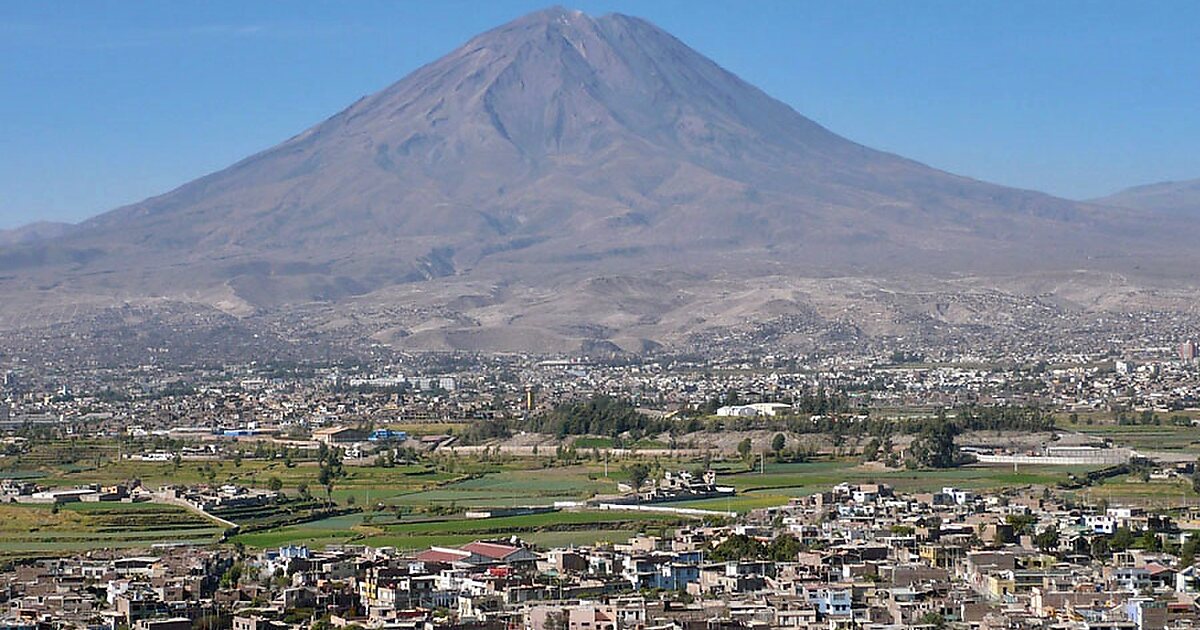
(554, 492)
(671, 315)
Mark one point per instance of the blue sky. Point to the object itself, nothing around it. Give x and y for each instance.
(106, 103)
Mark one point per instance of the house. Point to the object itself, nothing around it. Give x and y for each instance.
(578, 617)
(479, 553)
(500, 553)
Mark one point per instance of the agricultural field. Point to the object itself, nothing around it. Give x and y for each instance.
(285, 512)
(365, 483)
(1131, 490)
(26, 529)
(397, 498)
(779, 482)
(60, 455)
(387, 531)
(512, 486)
(1147, 437)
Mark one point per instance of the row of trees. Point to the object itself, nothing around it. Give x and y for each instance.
(599, 415)
(818, 402)
(608, 416)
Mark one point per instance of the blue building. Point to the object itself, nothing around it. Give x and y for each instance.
(387, 435)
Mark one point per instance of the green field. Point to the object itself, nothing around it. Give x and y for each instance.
(517, 487)
(1130, 490)
(1147, 437)
(780, 482)
(420, 505)
(576, 527)
(362, 482)
(80, 526)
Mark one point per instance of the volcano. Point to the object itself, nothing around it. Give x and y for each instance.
(596, 160)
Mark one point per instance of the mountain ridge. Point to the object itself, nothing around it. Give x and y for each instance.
(1173, 198)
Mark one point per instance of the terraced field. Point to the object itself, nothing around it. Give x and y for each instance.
(286, 512)
(362, 482)
(26, 529)
(61, 455)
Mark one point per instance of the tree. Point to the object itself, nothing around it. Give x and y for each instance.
(638, 474)
(1047, 539)
(1021, 523)
(778, 442)
(933, 619)
(744, 447)
(329, 472)
(784, 548)
(871, 450)
(274, 484)
(232, 576)
(934, 447)
(738, 547)
(1122, 539)
(1187, 553)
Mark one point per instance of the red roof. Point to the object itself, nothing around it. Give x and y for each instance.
(440, 555)
(490, 550)
(1154, 568)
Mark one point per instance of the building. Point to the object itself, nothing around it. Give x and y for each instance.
(387, 435)
(577, 617)
(753, 410)
(1188, 351)
(174, 623)
(339, 435)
